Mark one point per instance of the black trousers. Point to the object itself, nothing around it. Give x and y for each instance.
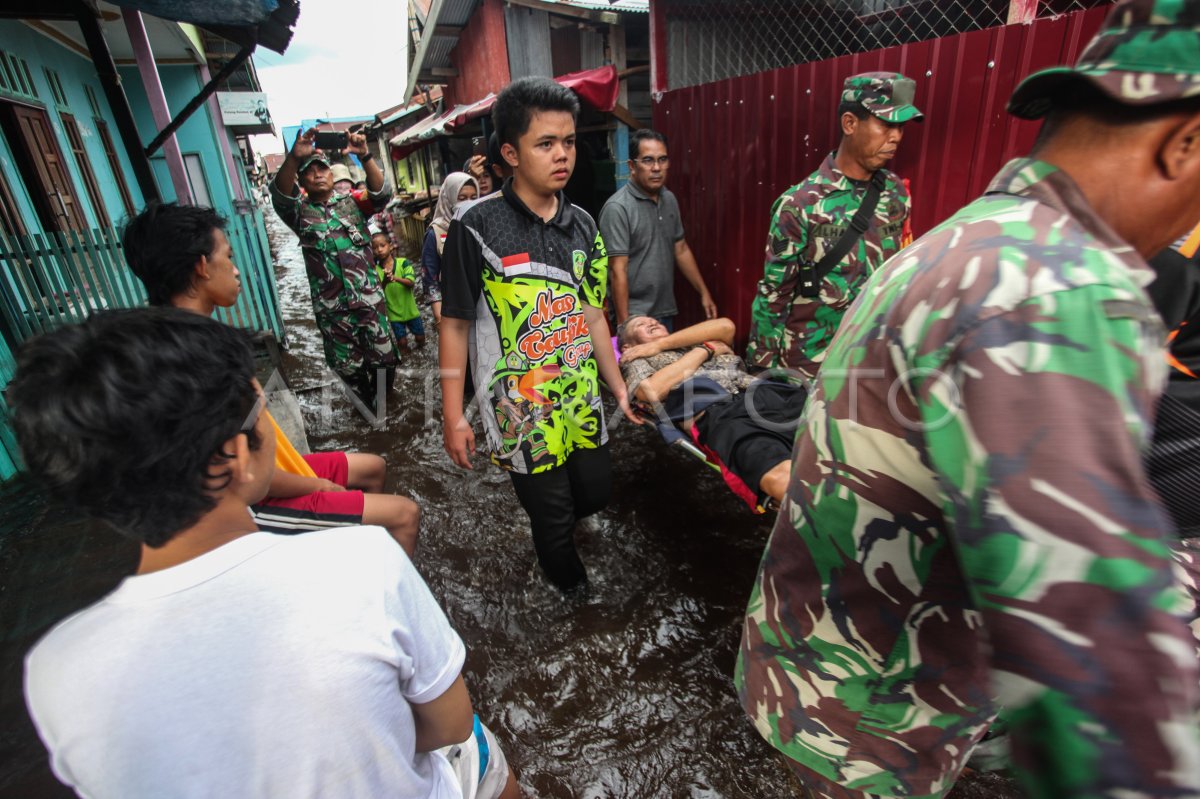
(753, 432)
(555, 500)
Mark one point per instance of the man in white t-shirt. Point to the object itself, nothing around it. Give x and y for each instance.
(235, 662)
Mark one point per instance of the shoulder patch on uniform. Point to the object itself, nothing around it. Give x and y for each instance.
(779, 245)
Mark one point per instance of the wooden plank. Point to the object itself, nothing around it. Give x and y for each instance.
(10, 454)
(622, 113)
(120, 274)
(94, 286)
(88, 266)
(42, 314)
(120, 267)
(63, 272)
(528, 35)
(13, 289)
(264, 247)
(73, 293)
(252, 288)
(90, 293)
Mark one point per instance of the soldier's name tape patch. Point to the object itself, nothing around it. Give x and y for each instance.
(830, 231)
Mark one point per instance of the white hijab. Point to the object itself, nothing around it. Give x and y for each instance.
(447, 202)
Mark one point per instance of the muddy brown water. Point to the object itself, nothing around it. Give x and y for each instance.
(625, 694)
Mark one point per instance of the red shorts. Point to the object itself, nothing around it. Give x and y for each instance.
(319, 509)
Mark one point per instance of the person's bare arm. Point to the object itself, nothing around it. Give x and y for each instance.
(446, 720)
(686, 261)
(356, 143)
(457, 436)
(721, 330)
(618, 272)
(606, 361)
(302, 148)
(390, 276)
(656, 387)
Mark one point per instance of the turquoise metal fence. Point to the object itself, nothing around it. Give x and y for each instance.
(48, 280)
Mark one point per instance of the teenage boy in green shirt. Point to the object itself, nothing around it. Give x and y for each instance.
(524, 276)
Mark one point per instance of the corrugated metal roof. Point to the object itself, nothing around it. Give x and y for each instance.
(438, 54)
(456, 12)
(642, 6)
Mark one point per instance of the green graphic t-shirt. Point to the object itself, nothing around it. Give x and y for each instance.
(524, 284)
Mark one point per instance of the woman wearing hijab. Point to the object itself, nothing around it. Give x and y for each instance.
(457, 188)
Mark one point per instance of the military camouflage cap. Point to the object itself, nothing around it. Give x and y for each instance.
(1147, 52)
(317, 157)
(887, 95)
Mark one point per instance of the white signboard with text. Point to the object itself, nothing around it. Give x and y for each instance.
(243, 108)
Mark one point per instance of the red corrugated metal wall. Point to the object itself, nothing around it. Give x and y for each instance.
(736, 145)
(481, 56)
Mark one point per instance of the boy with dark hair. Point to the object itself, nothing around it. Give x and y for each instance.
(227, 637)
(182, 256)
(524, 277)
(397, 278)
(165, 244)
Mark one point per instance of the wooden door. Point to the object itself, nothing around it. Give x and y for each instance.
(84, 164)
(50, 182)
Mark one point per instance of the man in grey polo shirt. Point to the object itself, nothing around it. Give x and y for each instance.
(643, 234)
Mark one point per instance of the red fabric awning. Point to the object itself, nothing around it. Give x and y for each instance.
(597, 88)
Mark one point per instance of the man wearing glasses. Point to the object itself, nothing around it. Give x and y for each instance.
(817, 257)
(643, 234)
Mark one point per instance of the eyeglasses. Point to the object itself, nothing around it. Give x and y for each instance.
(649, 160)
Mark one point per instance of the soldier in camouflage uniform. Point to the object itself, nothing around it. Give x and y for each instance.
(790, 330)
(968, 524)
(348, 300)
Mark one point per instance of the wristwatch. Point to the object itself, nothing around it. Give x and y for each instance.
(711, 349)
(365, 157)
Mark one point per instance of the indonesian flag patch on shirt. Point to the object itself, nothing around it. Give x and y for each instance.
(517, 264)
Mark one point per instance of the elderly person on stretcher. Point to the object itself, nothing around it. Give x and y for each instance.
(692, 379)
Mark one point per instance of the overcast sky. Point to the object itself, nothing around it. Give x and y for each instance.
(346, 59)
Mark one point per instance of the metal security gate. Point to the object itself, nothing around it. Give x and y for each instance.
(51, 279)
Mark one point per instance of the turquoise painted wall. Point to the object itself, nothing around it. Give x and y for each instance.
(74, 72)
(197, 136)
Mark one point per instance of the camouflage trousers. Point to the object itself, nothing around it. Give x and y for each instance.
(357, 342)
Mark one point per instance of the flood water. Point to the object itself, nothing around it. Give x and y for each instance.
(625, 694)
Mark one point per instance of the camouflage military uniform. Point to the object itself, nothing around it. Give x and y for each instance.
(789, 330)
(969, 524)
(348, 301)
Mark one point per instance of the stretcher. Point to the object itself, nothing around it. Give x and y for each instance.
(690, 445)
